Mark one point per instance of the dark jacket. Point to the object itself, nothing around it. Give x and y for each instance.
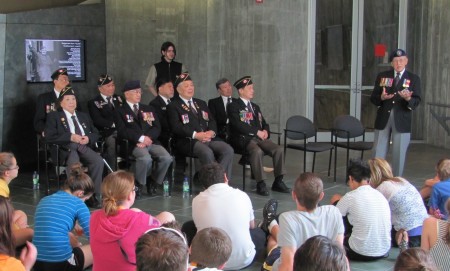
(102, 114)
(161, 111)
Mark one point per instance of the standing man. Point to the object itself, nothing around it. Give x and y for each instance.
(396, 94)
(101, 109)
(165, 92)
(76, 133)
(139, 124)
(249, 131)
(46, 102)
(218, 107)
(191, 118)
(167, 68)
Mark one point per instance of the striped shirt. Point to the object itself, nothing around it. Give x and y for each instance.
(54, 219)
(440, 252)
(368, 212)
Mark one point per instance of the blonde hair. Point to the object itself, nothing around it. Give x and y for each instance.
(380, 171)
(115, 189)
(443, 169)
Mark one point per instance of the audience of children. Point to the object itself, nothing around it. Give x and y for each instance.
(55, 218)
(367, 216)
(436, 239)
(407, 209)
(8, 172)
(441, 191)
(8, 262)
(320, 253)
(125, 238)
(415, 259)
(116, 227)
(210, 250)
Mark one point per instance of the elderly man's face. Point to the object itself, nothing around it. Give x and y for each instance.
(186, 89)
(166, 90)
(225, 89)
(246, 92)
(108, 89)
(69, 103)
(399, 63)
(134, 95)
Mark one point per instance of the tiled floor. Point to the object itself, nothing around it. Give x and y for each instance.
(419, 166)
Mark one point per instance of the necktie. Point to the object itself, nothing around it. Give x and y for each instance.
(168, 101)
(110, 103)
(135, 109)
(192, 108)
(81, 148)
(249, 105)
(228, 102)
(397, 79)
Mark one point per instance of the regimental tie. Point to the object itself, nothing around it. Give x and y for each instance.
(192, 108)
(397, 79)
(135, 109)
(81, 148)
(249, 105)
(110, 103)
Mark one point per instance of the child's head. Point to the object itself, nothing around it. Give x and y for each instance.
(319, 253)
(211, 247)
(79, 181)
(116, 188)
(308, 190)
(7, 163)
(380, 171)
(443, 169)
(415, 259)
(7, 244)
(358, 170)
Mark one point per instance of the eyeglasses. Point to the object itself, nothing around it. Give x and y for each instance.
(13, 168)
(136, 91)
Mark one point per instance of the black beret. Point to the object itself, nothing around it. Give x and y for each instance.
(58, 72)
(104, 79)
(68, 90)
(184, 76)
(397, 53)
(133, 84)
(243, 82)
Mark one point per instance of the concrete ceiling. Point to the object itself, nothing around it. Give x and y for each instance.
(10, 6)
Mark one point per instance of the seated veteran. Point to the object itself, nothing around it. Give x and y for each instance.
(101, 109)
(46, 102)
(190, 118)
(139, 124)
(77, 136)
(218, 107)
(249, 130)
(165, 90)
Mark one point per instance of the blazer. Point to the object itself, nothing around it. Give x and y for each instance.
(57, 129)
(103, 115)
(217, 109)
(183, 122)
(402, 108)
(161, 111)
(132, 127)
(244, 125)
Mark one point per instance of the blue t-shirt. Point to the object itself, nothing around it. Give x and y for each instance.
(439, 196)
(54, 218)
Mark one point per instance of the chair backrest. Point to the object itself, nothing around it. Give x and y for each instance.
(300, 124)
(347, 123)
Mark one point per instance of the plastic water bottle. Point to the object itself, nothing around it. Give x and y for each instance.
(35, 180)
(166, 188)
(185, 188)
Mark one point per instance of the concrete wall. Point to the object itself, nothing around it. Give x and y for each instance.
(216, 39)
(79, 22)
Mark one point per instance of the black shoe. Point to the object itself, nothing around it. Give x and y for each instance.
(261, 189)
(269, 214)
(151, 186)
(93, 202)
(139, 189)
(280, 186)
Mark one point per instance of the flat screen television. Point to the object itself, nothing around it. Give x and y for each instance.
(44, 56)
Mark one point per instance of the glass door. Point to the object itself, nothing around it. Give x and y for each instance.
(353, 39)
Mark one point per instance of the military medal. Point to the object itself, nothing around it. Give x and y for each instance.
(406, 83)
(185, 118)
(205, 115)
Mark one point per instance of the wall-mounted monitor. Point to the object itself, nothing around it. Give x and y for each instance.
(44, 56)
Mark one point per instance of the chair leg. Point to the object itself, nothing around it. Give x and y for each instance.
(304, 161)
(362, 155)
(172, 173)
(57, 168)
(243, 177)
(46, 171)
(190, 174)
(329, 163)
(335, 161)
(314, 161)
